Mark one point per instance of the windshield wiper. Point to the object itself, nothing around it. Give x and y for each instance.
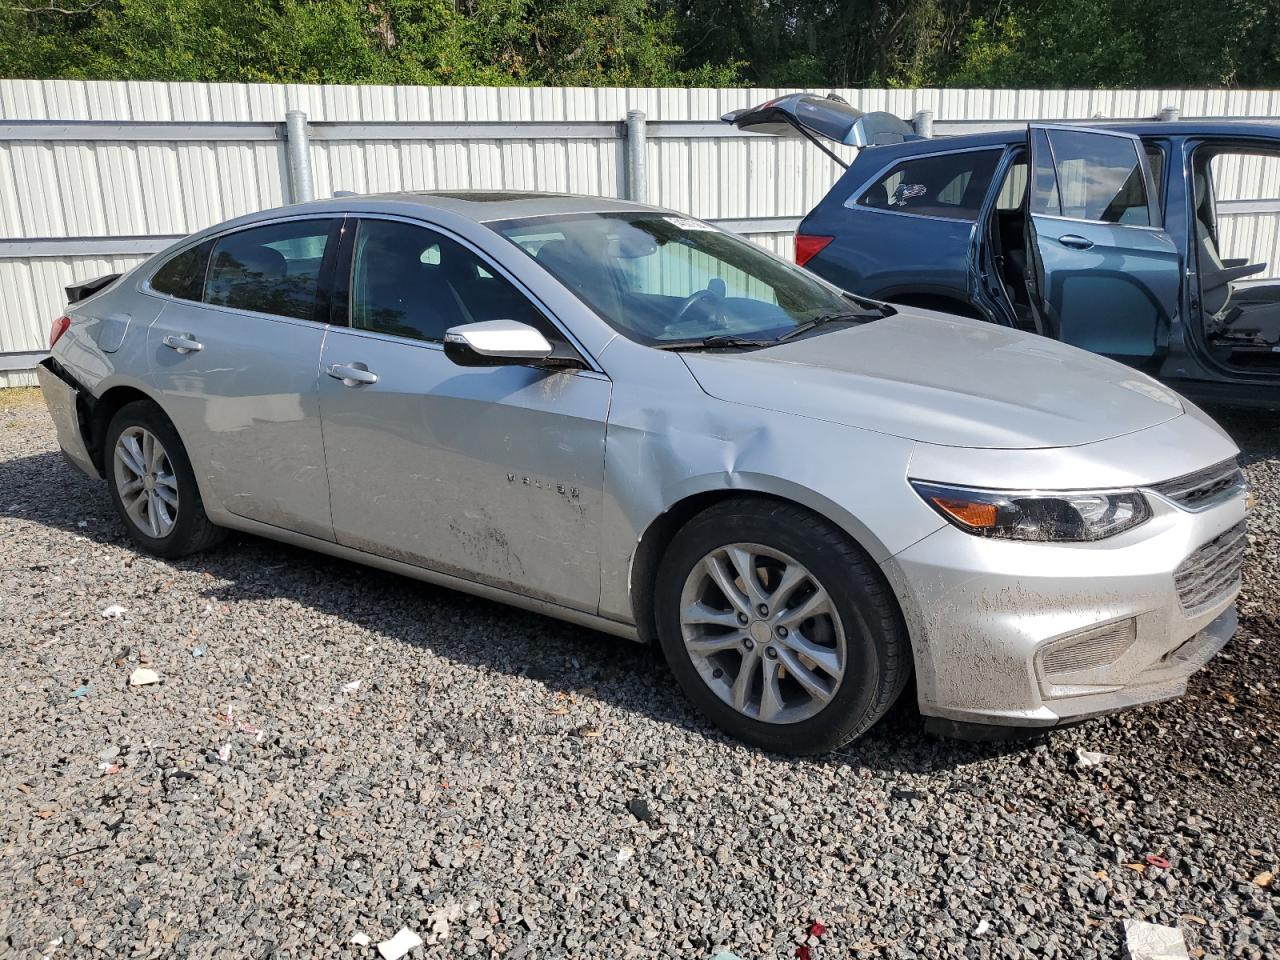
(879, 306)
(713, 342)
(819, 322)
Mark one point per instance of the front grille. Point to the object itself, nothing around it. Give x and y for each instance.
(1204, 488)
(1212, 571)
(1100, 647)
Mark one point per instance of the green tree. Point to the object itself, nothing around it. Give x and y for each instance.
(613, 42)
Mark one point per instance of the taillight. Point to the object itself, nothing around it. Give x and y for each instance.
(57, 329)
(808, 247)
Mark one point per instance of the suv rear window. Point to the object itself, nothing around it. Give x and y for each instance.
(943, 185)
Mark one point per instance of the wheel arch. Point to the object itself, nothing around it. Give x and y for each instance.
(99, 411)
(651, 546)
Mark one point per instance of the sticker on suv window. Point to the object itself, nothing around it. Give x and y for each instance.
(684, 223)
(905, 192)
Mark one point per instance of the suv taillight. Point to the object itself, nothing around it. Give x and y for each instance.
(57, 329)
(808, 247)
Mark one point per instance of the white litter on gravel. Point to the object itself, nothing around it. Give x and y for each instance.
(143, 677)
(1089, 758)
(395, 948)
(115, 611)
(1151, 941)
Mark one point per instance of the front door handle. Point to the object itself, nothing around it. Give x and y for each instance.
(183, 343)
(352, 374)
(1075, 241)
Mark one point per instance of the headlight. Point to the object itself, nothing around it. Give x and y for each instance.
(1034, 515)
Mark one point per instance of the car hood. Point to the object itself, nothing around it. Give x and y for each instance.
(943, 380)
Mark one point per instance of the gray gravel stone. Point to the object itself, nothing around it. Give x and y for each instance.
(453, 792)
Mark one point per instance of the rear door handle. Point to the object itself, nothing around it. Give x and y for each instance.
(183, 343)
(1075, 241)
(352, 374)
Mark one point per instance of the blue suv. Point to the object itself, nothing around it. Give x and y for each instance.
(1105, 236)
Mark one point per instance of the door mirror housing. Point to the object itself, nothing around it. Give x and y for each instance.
(494, 343)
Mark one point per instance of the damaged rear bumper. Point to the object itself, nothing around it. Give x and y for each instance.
(62, 399)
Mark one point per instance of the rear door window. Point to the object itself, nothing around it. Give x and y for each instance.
(950, 185)
(271, 269)
(1099, 177)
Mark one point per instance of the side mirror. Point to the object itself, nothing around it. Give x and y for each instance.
(494, 343)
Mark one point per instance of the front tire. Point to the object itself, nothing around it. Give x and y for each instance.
(152, 484)
(779, 627)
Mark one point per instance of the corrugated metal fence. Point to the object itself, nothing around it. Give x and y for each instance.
(96, 175)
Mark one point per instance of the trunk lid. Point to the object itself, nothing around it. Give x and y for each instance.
(808, 115)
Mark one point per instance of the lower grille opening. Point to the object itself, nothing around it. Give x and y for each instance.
(1096, 648)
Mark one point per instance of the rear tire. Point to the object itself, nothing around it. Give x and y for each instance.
(818, 629)
(152, 484)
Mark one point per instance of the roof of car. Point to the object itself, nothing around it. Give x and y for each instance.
(1142, 128)
(484, 205)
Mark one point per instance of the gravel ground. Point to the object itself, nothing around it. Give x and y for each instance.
(506, 785)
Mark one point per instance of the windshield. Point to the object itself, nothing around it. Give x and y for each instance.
(662, 279)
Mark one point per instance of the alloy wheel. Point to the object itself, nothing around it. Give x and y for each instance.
(762, 633)
(146, 481)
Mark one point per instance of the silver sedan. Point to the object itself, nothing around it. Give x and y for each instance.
(627, 418)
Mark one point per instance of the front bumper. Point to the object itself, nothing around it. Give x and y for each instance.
(983, 613)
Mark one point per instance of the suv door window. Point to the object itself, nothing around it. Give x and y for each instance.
(1014, 188)
(271, 269)
(944, 185)
(412, 282)
(1099, 178)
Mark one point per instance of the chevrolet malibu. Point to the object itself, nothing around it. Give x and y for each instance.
(629, 419)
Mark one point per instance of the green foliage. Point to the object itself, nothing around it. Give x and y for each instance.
(796, 43)
(571, 42)
(989, 43)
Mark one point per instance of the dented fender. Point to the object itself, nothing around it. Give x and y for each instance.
(667, 441)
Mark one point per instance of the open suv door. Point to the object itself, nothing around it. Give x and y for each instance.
(1101, 271)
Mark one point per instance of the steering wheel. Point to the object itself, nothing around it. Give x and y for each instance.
(698, 296)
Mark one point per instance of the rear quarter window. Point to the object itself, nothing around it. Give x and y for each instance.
(182, 275)
(950, 185)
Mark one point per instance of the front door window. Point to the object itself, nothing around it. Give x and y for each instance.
(412, 282)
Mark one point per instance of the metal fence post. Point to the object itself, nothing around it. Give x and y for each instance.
(923, 122)
(298, 143)
(637, 172)
(1170, 113)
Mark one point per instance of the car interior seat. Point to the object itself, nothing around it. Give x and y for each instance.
(1250, 313)
(248, 278)
(401, 291)
(583, 274)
